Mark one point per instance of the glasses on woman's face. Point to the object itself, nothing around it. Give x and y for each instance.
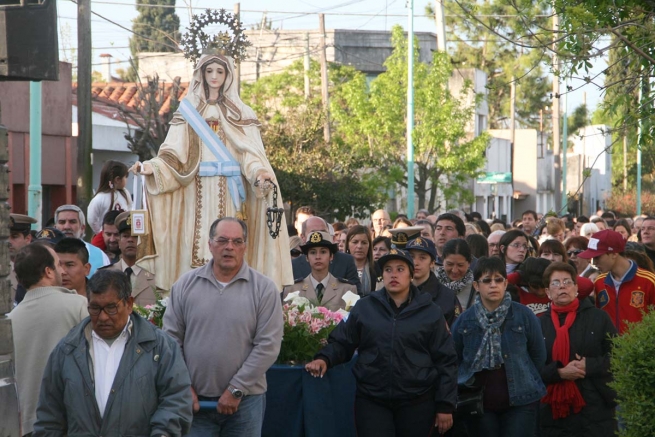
(558, 284)
(576, 252)
(497, 280)
(295, 253)
(520, 246)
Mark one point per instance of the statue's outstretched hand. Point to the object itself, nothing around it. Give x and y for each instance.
(141, 168)
(262, 182)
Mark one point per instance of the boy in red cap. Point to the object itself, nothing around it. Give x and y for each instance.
(623, 290)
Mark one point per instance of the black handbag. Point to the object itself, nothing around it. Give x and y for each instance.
(470, 397)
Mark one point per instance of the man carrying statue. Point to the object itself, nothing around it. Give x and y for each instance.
(211, 165)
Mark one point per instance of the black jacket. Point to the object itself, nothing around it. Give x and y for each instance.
(443, 296)
(401, 356)
(342, 266)
(589, 338)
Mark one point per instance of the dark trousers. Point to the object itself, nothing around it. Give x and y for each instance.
(395, 419)
(518, 421)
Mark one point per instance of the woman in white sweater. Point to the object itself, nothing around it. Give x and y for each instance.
(111, 194)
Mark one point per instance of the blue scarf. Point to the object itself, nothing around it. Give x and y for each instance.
(490, 354)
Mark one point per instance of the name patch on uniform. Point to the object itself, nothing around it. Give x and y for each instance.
(637, 299)
(603, 299)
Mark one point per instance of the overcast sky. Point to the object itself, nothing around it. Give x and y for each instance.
(290, 14)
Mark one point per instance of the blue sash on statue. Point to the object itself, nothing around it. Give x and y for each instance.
(225, 165)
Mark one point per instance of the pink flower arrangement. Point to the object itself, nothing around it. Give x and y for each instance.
(306, 329)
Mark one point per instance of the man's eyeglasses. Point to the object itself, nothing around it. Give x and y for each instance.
(575, 252)
(494, 244)
(557, 283)
(222, 242)
(110, 309)
(498, 280)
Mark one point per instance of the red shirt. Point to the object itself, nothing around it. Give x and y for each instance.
(538, 304)
(636, 294)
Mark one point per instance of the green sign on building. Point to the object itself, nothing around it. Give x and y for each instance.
(493, 177)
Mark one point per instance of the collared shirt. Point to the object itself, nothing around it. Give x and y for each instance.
(136, 270)
(106, 359)
(618, 282)
(397, 309)
(315, 282)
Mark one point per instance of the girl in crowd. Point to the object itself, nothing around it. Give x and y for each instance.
(406, 373)
(623, 227)
(359, 245)
(111, 194)
(500, 349)
(513, 248)
(456, 271)
(575, 246)
(552, 250)
(579, 402)
(424, 254)
(479, 245)
(381, 247)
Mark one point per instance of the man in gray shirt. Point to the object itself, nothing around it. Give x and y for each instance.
(227, 318)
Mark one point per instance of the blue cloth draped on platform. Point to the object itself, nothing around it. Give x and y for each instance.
(299, 405)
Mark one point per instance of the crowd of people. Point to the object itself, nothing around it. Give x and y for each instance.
(466, 326)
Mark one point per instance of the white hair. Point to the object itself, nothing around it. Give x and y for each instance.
(588, 229)
(494, 233)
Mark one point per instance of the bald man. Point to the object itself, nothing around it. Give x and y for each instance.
(380, 219)
(342, 265)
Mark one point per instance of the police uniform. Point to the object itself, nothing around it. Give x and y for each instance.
(399, 239)
(142, 281)
(333, 288)
(23, 224)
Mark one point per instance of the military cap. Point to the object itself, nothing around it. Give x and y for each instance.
(123, 222)
(21, 223)
(319, 239)
(422, 244)
(399, 254)
(400, 236)
(52, 235)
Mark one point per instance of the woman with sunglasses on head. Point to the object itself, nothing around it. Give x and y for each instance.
(407, 368)
(514, 249)
(500, 350)
(579, 402)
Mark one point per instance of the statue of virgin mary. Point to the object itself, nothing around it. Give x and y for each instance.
(211, 165)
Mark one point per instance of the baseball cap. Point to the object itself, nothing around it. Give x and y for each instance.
(605, 241)
(422, 244)
(400, 254)
(52, 235)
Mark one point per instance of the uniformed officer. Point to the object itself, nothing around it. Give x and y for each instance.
(401, 236)
(19, 237)
(143, 281)
(320, 286)
(424, 253)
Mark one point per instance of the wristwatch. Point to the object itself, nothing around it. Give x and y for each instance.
(238, 394)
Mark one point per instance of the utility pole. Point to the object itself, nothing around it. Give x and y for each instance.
(84, 109)
(410, 112)
(34, 200)
(512, 136)
(565, 146)
(237, 66)
(642, 96)
(439, 18)
(324, 80)
(556, 137)
(307, 66)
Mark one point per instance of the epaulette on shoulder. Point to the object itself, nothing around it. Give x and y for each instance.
(105, 267)
(345, 281)
(298, 280)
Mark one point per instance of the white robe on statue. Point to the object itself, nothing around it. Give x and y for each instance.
(182, 205)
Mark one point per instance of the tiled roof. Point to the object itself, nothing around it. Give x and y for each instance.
(107, 97)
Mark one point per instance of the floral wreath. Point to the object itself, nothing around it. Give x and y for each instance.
(232, 42)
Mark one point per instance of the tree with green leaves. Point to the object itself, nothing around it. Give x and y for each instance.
(156, 29)
(328, 177)
(495, 37)
(374, 117)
